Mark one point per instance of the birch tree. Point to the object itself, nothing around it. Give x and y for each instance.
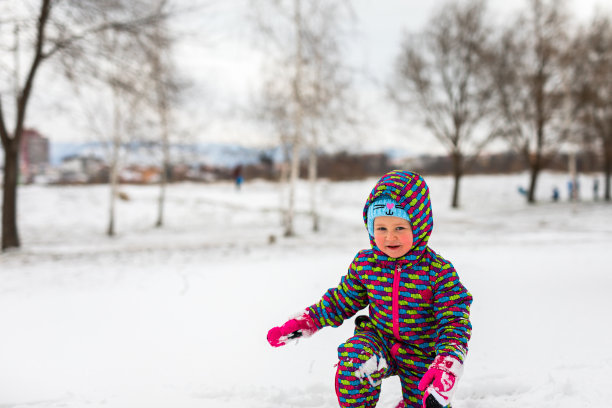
(271, 110)
(439, 77)
(118, 71)
(331, 105)
(157, 46)
(305, 77)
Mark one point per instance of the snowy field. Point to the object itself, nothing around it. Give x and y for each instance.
(177, 317)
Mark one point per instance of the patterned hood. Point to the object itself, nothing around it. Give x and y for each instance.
(410, 191)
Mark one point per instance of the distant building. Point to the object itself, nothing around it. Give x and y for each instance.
(34, 157)
(82, 169)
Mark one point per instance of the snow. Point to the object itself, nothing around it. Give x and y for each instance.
(177, 317)
(374, 364)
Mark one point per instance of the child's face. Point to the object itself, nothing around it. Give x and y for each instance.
(393, 235)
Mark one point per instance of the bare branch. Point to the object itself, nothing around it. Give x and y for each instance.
(129, 26)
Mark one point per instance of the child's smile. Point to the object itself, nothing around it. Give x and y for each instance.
(393, 235)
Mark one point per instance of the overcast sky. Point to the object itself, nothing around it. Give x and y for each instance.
(225, 69)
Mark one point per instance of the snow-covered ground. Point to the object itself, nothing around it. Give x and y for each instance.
(177, 317)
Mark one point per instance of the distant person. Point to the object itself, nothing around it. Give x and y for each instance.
(595, 189)
(555, 194)
(237, 174)
(418, 323)
(570, 190)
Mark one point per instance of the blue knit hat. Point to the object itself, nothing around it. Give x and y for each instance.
(385, 206)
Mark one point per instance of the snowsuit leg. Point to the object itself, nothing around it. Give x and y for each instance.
(410, 370)
(364, 362)
(410, 391)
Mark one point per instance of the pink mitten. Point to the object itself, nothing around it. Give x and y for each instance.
(439, 381)
(301, 326)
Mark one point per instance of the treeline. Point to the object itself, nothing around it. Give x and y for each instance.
(350, 166)
(539, 83)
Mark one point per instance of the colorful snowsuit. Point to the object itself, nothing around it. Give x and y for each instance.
(418, 308)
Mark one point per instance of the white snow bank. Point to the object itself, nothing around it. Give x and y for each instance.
(177, 317)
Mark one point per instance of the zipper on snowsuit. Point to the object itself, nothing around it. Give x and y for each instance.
(395, 305)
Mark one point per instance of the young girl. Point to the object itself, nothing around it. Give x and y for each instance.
(418, 325)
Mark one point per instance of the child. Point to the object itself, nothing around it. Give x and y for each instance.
(418, 325)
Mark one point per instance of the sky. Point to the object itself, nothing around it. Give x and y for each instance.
(219, 57)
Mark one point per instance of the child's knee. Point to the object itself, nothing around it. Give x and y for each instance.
(359, 362)
(361, 368)
(357, 382)
(355, 351)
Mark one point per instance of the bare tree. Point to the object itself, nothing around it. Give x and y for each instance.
(117, 69)
(114, 162)
(439, 77)
(591, 81)
(305, 83)
(271, 110)
(531, 83)
(52, 29)
(157, 45)
(151, 80)
(330, 105)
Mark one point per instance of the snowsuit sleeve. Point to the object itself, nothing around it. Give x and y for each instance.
(451, 304)
(342, 302)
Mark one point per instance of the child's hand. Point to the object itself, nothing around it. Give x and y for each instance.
(301, 326)
(439, 381)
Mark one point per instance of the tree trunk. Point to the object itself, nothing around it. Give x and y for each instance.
(293, 179)
(312, 179)
(114, 163)
(457, 173)
(535, 165)
(297, 120)
(573, 176)
(540, 121)
(456, 181)
(113, 194)
(162, 110)
(284, 183)
(162, 194)
(165, 166)
(607, 167)
(533, 178)
(608, 173)
(10, 235)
